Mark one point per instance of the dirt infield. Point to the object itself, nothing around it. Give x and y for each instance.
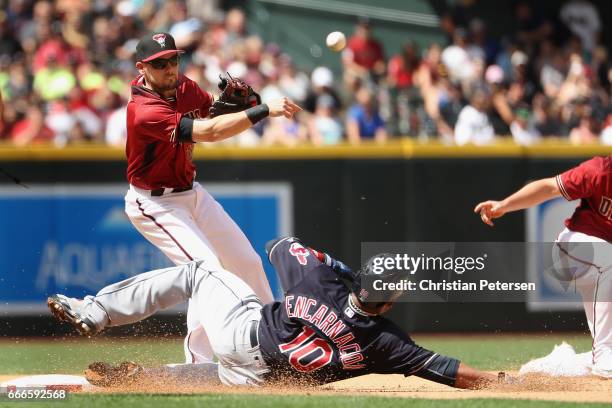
(587, 389)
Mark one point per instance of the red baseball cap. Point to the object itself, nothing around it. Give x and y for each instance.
(154, 46)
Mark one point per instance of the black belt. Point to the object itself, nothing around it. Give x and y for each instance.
(160, 191)
(253, 334)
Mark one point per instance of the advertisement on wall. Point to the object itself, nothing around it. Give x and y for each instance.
(75, 239)
(544, 223)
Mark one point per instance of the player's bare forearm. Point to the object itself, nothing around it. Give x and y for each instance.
(532, 194)
(220, 127)
(470, 378)
(228, 125)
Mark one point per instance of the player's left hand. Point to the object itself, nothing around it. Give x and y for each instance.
(236, 96)
(505, 378)
(489, 210)
(106, 375)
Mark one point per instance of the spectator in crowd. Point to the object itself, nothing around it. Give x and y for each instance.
(458, 61)
(55, 51)
(53, 80)
(66, 62)
(321, 83)
(30, 128)
(552, 72)
(324, 126)
(7, 80)
(43, 14)
(546, 116)
(116, 131)
(450, 104)
(473, 125)
(506, 103)
(532, 28)
(428, 80)
(363, 121)
(1, 116)
(481, 47)
(523, 128)
(601, 67)
(587, 131)
(404, 98)
(363, 58)
(235, 27)
(9, 46)
(283, 131)
(291, 82)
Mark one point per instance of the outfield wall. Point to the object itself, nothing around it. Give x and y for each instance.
(338, 197)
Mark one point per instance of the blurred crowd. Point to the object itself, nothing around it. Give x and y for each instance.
(66, 65)
(551, 77)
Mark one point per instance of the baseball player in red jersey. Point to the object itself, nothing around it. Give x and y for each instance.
(164, 202)
(591, 182)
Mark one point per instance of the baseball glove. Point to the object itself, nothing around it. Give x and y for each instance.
(106, 375)
(236, 96)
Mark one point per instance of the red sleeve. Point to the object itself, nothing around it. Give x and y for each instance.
(157, 121)
(578, 182)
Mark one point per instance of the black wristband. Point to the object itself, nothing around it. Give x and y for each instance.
(257, 113)
(185, 130)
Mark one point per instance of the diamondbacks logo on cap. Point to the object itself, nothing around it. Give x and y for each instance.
(160, 39)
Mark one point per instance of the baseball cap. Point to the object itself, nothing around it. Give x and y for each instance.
(154, 46)
(322, 76)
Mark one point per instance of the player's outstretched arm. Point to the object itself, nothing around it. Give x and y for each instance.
(470, 378)
(532, 194)
(225, 126)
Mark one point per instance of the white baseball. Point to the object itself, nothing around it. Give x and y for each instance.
(336, 41)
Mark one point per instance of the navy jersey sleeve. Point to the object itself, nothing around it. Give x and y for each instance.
(291, 259)
(398, 353)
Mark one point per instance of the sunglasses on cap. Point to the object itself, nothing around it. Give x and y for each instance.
(160, 63)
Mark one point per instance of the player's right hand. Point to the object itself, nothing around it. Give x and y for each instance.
(489, 210)
(283, 107)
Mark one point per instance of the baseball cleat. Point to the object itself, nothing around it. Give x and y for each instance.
(68, 310)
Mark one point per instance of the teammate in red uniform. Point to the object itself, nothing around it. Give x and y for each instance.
(165, 203)
(591, 182)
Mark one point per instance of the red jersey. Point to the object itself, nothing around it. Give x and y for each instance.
(591, 181)
(398, 70)
(366, 52)
(155, 158)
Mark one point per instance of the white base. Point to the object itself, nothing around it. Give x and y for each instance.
(73, 383)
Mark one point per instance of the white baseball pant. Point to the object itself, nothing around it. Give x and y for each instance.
(594, 282)
(192, 225)
(226, 307)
